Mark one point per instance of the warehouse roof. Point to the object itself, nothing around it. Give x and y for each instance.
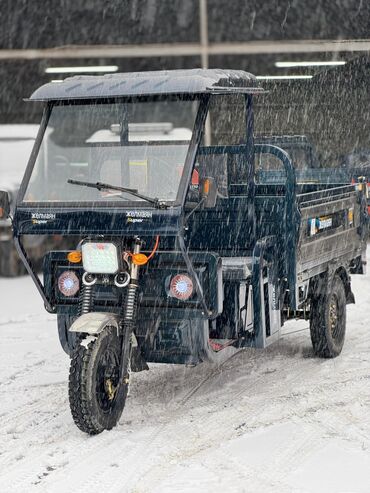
(195, 81)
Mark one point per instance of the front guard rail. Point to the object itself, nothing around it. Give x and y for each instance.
(51, 307)
(26, 261)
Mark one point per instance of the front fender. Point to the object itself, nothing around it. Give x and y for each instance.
(94, 322)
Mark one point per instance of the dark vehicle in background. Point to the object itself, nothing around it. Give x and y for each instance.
(352, 168)
(301, 151)
(358, 165)
(16, 143)
(306, 162)
(182, 251)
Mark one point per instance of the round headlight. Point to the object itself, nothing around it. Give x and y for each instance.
(68, 283)
(181, 287)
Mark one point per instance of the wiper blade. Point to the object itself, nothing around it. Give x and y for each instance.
(105, 186)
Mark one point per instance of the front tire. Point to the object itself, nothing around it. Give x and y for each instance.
(328, 319)
(95, 396)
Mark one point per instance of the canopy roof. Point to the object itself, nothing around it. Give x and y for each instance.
(196, 81)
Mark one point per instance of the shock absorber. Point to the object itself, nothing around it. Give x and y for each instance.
(87, 293)
(129, 315)
(130, 305)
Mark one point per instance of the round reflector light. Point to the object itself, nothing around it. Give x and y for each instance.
(68, 283)
(181, 287)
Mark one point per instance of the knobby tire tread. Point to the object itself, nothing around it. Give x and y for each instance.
(318, 323)
(78, 398)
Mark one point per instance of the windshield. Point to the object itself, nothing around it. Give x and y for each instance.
(137, 145)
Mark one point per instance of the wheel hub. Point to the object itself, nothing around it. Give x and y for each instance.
(107, 379)
(110, 389)
(333, 315)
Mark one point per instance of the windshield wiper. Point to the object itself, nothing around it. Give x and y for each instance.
(105, 186)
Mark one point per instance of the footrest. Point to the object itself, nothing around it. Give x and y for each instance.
(218, 344)
(236, 268)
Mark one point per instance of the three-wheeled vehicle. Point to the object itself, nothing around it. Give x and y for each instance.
(184, 251)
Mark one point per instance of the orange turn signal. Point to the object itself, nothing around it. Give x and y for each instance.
(74, 257)
(206, 186)
(139, 258)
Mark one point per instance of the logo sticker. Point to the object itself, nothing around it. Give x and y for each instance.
(138, 216)
(42, 217)
(318, 224)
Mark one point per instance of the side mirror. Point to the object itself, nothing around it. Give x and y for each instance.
(4, 205)
(209, 192)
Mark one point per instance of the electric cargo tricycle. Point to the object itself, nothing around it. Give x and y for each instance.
(181, 250)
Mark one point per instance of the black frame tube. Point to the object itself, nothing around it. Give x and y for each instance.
(24, 257)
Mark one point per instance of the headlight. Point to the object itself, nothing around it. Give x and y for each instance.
(181, 287)
(68, 283)
(100, 258)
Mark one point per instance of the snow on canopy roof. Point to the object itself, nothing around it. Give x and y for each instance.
(194, 81)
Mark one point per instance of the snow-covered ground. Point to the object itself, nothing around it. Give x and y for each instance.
(278, 420)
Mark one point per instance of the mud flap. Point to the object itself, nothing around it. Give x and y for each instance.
(94, 322)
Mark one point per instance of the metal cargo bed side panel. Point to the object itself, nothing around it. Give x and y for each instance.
(330, 229)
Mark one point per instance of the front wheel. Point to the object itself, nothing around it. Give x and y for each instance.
(328, 319)
(95, 395)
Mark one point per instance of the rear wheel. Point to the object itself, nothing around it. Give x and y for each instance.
(328, 319)
(95, 395)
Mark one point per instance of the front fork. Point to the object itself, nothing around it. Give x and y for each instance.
(129, 316)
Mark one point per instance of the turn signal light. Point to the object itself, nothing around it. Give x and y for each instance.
(206, 186)
(139, 258)
(74, 257)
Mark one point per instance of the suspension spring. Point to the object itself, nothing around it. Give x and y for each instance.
(86, 299)
(130, 303)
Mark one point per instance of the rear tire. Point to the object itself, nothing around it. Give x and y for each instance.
(95, 396)
(328, 319)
